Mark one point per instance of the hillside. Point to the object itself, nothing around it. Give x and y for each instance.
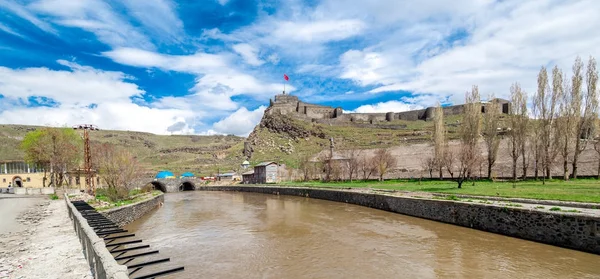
(178, 153)
(283, 138)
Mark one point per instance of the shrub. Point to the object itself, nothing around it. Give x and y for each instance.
(53, 197)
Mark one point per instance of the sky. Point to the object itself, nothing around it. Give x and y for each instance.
(210, 66)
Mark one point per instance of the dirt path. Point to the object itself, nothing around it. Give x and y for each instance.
(45, 246)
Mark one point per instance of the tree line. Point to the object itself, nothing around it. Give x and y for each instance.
(60, 152)
(558, 125)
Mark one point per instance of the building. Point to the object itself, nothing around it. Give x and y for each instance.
(228, 176)
(248, 177)
(266, 172)
(20, 174)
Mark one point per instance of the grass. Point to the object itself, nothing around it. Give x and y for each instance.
(514, 205)
(555, 209)
(540, 207)
(139, 197)
(581, 190)
(53, 197)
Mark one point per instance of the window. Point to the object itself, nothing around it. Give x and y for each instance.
(3, 180)
(28, 179)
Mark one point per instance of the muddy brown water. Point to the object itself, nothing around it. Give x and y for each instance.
(247, 235)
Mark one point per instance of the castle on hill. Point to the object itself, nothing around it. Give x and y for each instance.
(291, 105)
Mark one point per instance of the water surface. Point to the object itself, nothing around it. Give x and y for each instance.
(247, 235)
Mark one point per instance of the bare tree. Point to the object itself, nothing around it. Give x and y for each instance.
(518, 127)
(118, 168)
(449, 160)
(429, 164)
(352, 162)
(586, 117)
(491, 123)
(383, 162)
(439, 139)
(306, 167)
(469, 136)
(366, 167)
(565, 126)
(597, 148)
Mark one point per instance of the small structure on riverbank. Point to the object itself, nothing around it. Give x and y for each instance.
(263, 173)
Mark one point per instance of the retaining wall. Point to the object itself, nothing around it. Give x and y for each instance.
(569, 230)
(33, 191)
(101, 261)
(129, 213)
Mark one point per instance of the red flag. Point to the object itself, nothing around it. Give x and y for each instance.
(285, 77)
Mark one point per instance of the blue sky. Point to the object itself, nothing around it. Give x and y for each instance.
(210, 66)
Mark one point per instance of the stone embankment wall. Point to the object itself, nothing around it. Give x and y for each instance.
(129, 213)
(569, 230)
(101, 261)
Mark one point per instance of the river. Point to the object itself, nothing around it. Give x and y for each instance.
(247, 235)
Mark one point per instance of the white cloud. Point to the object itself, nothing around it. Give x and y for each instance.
(9, 30)
(223, 2)
(94, 16)
(249, 54)
(85, 95)
(196, 63)
(508, 41)
(317, 31)
(389, 106)
(241, 122)
(217, 79)
(81, 86)
(158, 16)
(24, 13)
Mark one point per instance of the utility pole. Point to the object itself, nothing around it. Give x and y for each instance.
(87, 155)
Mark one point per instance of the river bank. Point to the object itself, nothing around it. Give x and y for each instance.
(43, 244)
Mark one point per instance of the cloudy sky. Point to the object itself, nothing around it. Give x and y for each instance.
(210, 66)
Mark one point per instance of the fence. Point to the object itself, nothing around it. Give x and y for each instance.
(101, 261)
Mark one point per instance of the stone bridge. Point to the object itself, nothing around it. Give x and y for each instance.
(170, 185)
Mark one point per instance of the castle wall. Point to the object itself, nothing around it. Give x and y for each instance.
(366, 117)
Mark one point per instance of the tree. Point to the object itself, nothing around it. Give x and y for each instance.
(306, 167)
(490, 132)
(449, 160)
(429, 164)
(597, 148)
(383, 161)
(545, 102)
(518, 120)
(352, 162)
(57, 149)
(469, 136)
(565, 125)
(366, 167)
(439, 139)
(586, 117)
(118, 168)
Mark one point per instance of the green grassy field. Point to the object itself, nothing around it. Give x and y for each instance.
(581, 190)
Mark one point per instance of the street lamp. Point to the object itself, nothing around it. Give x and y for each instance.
(89, 176)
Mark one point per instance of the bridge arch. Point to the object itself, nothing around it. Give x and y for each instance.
(159, 186)
(187, 186)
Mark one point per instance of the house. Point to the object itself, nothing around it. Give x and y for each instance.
(248, 177)
(266, 172)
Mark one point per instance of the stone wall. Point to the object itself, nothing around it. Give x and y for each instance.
(129, 213)
(569, 230)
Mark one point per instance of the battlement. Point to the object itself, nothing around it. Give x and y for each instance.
(291, 105)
